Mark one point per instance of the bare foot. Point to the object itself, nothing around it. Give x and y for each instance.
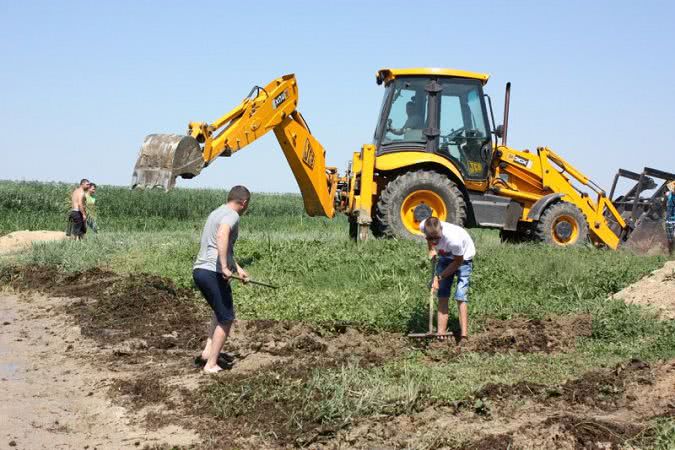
(214, 369)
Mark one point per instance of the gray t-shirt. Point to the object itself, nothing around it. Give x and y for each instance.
(208, 251)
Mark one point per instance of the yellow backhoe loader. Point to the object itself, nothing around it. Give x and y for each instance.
(436, 151)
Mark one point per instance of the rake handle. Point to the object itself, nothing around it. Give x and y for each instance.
(431, 296)
(259, 283)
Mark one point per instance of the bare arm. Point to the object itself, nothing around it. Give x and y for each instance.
(222, 241)
(452, 267)
(81, 205)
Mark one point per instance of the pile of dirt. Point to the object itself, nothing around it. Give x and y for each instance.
(324, 344)
(145, 311)
(21, 240)
(555, 334)
(656, 291)
(142, 391)
(570, 431)
(601, 389)
(599, 410)
(519, 335)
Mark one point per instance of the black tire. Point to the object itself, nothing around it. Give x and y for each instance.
(511, 237)
(557, 223)
(388, 222)
(353, 229)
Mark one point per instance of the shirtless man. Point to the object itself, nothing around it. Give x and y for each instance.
(78, 212)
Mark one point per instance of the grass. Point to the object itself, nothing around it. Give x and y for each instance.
(380, 284)
(28, 205)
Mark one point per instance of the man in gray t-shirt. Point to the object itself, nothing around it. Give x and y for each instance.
(208, 250)
(213, 268)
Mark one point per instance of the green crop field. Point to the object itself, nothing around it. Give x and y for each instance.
(379, 284)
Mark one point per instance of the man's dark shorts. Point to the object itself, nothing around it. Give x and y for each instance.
(77, 227)
(217, 292)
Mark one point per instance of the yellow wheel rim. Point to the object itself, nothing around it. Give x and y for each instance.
(429, 198)
(565, 230)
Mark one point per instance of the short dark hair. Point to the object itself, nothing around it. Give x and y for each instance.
(83, 180)
(238, 194)
(92, 184)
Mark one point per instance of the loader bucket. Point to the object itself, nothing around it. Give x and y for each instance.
(163, 158)
(644, 214)
(648, 237)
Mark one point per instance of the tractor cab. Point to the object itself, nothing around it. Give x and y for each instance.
(440, 111)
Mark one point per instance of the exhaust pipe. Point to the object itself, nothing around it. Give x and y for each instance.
(507, 102)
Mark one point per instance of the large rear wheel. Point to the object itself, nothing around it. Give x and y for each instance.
(396, 205)
(562, 224)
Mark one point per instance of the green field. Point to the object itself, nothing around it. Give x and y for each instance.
(324, 275)
(379, 284)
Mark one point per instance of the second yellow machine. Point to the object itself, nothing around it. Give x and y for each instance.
(436, 151)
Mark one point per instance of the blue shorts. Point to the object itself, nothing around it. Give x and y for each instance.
(217, 292)
(670, 231)
(463, 275)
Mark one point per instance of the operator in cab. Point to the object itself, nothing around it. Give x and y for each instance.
(412, 128)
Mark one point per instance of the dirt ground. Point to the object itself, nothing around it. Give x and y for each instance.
(100, 360)
(20, 240)
(656, 291)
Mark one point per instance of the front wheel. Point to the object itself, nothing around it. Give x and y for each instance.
(396, 205)
(562, 224)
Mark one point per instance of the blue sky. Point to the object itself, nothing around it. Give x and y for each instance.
(83, 82)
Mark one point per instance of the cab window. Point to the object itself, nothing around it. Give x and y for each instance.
(463, 127)
(407, 116)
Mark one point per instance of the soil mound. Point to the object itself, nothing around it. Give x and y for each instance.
(20, 240)
(519, 335)
(147, 310)
(144, 312)
(555, 334)
(602, 389)
(656, 291)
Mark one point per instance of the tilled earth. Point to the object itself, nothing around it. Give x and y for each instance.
(147, 331)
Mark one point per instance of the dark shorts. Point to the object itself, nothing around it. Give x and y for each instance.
(217, 292)
(76, 225)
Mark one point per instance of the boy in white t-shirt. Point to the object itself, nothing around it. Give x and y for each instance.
(454, 249)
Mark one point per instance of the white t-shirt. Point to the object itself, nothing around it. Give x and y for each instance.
(455, 241)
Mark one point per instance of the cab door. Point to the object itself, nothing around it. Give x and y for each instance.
(464, 134)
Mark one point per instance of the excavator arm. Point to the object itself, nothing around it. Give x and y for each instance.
(163, 158)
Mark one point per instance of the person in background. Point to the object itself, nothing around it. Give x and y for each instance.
(77, 218)
(90, 197)
(670, 215)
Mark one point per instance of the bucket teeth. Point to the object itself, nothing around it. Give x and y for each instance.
(163, 158)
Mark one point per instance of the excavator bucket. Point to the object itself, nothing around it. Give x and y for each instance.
(644, 214)
(163, 158)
